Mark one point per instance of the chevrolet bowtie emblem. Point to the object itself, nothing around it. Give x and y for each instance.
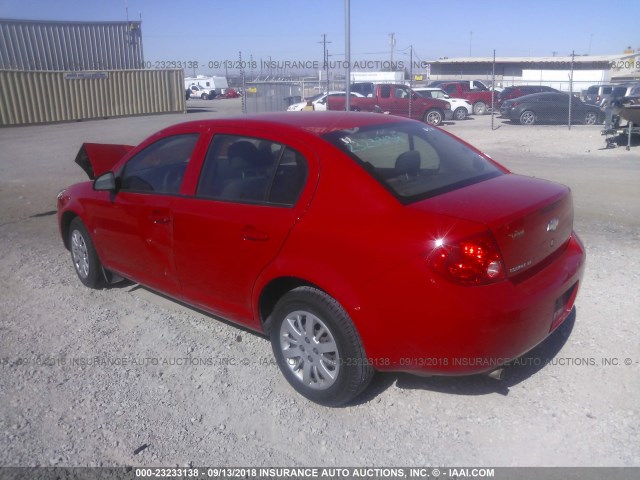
(553, 224)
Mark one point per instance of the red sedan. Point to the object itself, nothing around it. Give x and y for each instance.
(357, 242)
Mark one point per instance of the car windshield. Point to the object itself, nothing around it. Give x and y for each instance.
(414, 161)
(619, 91)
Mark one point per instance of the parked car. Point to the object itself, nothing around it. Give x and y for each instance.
(521, 90)
(461, 108)
(355, 241)
(595, 94)
(550, 108)
(230, 93)
(396, 99)
(481, 99)
(618, 92)
(319, 101)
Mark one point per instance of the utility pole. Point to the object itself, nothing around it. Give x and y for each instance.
(325, 57)
(573, 55)
(347, 53)
(392, 41)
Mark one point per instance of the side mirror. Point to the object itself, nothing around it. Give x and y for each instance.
(106, 182)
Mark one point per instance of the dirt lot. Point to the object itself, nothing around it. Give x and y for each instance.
(171, 386)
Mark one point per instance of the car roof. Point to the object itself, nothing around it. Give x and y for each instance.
(314, 123)
(533, 96)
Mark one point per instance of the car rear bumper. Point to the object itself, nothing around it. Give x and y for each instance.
(415, 321)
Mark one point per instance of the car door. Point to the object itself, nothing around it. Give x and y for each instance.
(134, 228)
(547, 107)
(250, 193)
(399, 101)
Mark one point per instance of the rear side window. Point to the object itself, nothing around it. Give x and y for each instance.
(413, 161)
(160, 167)
(250, 170)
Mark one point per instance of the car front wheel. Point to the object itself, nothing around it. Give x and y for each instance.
(433, 117)
(591, 118)
(527, 117)
(84, 255)
(318, 348)
(460, 113)
(480, 108)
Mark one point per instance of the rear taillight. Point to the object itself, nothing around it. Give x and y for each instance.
(473, 261)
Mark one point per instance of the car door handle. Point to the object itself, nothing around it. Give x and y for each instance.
(159, 218)
(253, 234)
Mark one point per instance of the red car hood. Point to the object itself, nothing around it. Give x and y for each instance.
(98, 158)
(530, 218)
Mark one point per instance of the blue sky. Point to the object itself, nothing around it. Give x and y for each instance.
(216, 30)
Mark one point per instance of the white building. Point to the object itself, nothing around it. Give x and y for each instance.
(555, 72)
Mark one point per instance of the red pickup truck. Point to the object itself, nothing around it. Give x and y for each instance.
(397, 100)
(480, 99)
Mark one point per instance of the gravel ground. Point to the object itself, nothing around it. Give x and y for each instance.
(122, 376)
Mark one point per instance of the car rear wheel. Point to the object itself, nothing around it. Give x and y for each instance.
(204, 96)
(591, 118)
(433, 117)
(318, 348)
(460, 113)
(84, 256)
(527, 117)
(480, 108)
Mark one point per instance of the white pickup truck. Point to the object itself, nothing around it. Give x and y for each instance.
(202, 92)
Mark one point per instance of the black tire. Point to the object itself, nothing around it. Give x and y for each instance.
(433, 117)
(527, 118)
(204, 96)
(84, 256)
(306, 318)
(460, 113)
(479, 108)
(591, 118)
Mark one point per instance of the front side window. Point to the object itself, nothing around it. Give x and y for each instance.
(414, 162)
(160, 167)
(450, 89)
(251, 170)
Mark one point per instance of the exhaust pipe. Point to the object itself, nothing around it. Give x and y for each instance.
(497, 374)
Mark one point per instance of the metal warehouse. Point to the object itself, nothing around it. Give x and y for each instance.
(36, 45)
(79, 71)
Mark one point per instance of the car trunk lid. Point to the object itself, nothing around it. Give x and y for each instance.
(529, 218)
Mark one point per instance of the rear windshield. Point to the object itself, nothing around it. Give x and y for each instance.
(414, 161)
(593, 89)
